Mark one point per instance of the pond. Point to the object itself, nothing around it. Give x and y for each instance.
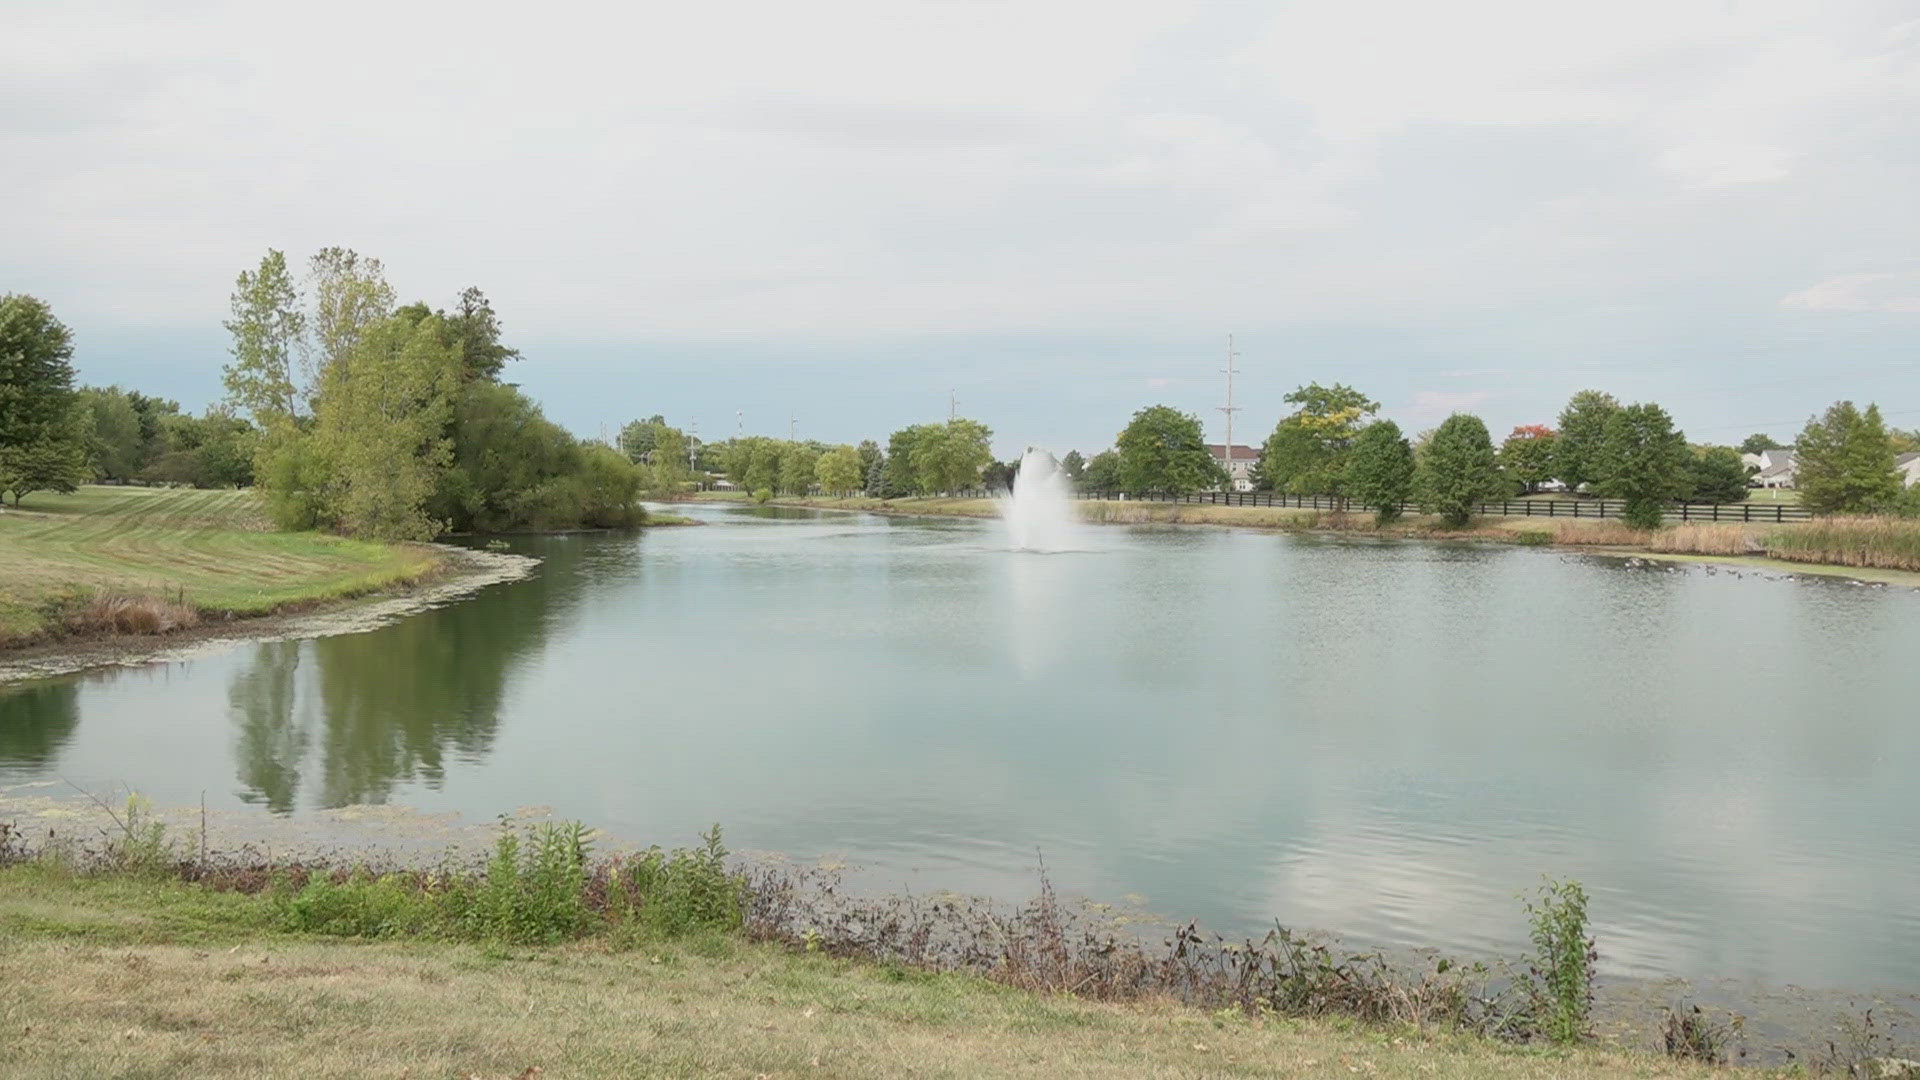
(1387, 740)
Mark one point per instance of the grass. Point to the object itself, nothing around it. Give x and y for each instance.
(1883, 543)
(208, 551)
(124, 975)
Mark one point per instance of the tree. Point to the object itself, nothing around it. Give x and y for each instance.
(1583, 428)
(475, 330)
(1380, 469)
(949, 457)
(114, 446)
(1757, 442)
(876, 478)
(1716, 475)
(269, 330)
(1527, 456)
(1103, 473)
(899, 476)
(1643, 460)
(1459, 469)
(1073, 465)
(638, 437)
(797, 463)
(1164, 450)
(838, 471)
(872, 461)
(43, 437)
(1844, 462)
(1307, 452)
(381, 427)
(350, 296)
(506, 456)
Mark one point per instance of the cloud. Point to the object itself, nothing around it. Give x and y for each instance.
(1885, 292)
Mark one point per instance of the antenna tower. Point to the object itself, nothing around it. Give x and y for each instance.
(1229, 408)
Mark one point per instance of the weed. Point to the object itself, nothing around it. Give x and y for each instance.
(106, 613)
(1692, 1035)
(1887, 543)
(1560, 984)
(682, 890)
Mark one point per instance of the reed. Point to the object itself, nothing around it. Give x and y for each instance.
(114, 614)
(1885, 543)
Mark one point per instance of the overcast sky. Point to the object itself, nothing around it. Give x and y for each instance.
(841, 211)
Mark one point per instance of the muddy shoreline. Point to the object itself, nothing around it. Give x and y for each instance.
(466, 572)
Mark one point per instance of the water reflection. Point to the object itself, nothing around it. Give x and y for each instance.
(269, 744)
(36, 720)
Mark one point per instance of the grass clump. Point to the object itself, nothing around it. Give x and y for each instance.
(1886, 543)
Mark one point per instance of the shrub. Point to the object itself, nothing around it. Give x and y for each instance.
(1560, 984)
(533, 892)
(133, 615)
(680, 891)
(761, 495)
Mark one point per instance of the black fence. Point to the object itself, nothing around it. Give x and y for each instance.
(1766, 513)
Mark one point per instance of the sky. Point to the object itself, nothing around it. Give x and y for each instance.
(844, 217)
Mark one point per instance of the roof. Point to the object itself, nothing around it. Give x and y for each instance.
(1778, 468)
(1905, 460)
(1240, 453)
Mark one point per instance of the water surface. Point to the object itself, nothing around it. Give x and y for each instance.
(1386, 740)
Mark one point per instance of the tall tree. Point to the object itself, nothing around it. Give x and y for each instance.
(43, 436)
(1643, 460)
(476, 331)
(1380, 469)
(382, 425)
(1844, 462)
(1164, 450)
(1583, 428)
(114, 445)
(1103, 474)
(838, 471)
(350, 296)
(1459, 469)
(798, 462)
(899, 475)
(269, 334)
(872, 461)
(1757, 442)
(1073, 465)
(949, 457)
(1527, 456)
(1306, 454)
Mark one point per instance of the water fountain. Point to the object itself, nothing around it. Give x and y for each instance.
(1039, 513)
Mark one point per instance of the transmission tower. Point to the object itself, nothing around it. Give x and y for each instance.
(1229, 408)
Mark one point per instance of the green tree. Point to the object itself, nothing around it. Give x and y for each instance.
(1102, 474)
(505, 451)
(1757, 442)
(114, 444)
(1307, 452)
(797, 463)
(350, 296)
(1716, 475)
(637, 438)
(1164, 450)
(1643, 460)
(1074, 465)
(1583, 429)
(475, 330)
(900, 476)
(949, 457)
(1380, 469)
(1459, 470)
(269, 332)
(1844, 462)
(838, 471)
(383, 414)
(43, 430)
(872, 461)
(1527, 456)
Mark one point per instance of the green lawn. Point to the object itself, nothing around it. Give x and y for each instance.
(213, 549)
(120, 975)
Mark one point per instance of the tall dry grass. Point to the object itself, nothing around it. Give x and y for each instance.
(1885, 543)
(1706, 540)
(110, 614)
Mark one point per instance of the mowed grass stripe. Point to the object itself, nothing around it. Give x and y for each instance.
(209, 547)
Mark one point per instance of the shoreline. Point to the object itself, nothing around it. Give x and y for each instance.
(460, 573)
(1777, 1016)
(1287, 520)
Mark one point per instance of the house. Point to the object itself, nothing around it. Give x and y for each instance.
(1774, 468)
(1909, 466)
(1240, 472)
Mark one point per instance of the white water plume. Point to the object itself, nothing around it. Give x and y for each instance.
(1039, 513)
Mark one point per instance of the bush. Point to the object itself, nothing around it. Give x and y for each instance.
(533, 893)
(761, 495)
(1560, 985)
(680, 891)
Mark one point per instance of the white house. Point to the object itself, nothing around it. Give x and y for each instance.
(1774, 468)
(1241, 470)
(1909, 466)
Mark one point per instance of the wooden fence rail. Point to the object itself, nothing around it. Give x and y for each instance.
(1765, 513)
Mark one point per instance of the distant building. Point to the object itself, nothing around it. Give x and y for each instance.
(1241, 472)
(1909, 466)
(1771, 468)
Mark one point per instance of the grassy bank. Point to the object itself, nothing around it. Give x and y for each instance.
(146, 559)
(133, 962)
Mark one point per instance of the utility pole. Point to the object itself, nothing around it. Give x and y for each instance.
(1229, 408)
(739, 424)
(953, 406)
(693, 445)
(792, 423)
